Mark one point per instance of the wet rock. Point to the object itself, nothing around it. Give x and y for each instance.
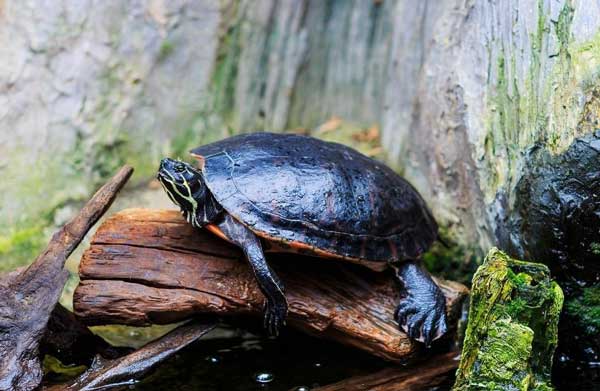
(557, 214)
(556, 220)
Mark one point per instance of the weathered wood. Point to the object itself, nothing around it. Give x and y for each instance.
(150, 266)
(28, 297)
(420, 377)
(111, 374)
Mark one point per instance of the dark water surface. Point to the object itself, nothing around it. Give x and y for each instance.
(237, 363)
(229, 359)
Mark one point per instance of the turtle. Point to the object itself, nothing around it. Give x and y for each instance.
(277, 192)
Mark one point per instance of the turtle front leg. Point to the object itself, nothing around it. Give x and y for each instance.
(276, 305)
(421, 313)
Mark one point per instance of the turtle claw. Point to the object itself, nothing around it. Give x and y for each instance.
(422, 312)
(422, 320)
(274, 317)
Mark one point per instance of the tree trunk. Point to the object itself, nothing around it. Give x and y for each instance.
(148, 266)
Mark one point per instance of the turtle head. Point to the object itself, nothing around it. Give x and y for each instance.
(185, 187)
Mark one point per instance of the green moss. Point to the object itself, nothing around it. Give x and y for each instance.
(226, 65)
(165, 50)
(28, 204)
(506, 343)
(20, 245)
(51, 183)
(512, 328)
(515, 307)
(562, 28)
(538, 107)
(457, 263)
(585, 308)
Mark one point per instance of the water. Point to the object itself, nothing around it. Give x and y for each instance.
(243, 363)
(230, 359)
(568, 375)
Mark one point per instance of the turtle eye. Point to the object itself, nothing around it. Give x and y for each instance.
(179, 168)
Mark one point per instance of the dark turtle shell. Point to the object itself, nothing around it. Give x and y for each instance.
(317, 195)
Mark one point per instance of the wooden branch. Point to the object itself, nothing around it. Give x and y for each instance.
(424, 376)
(28, 297)
(110, 374)
(150, 266)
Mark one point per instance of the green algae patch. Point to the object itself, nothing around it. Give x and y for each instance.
(55, 370)
(512, 328)
(20, 245)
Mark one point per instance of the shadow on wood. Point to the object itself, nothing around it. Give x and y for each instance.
(71, 342)
(150, 266)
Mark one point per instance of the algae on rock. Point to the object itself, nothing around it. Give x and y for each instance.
(512, 329)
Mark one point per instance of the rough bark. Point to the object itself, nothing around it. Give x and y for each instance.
(150, 266)
(425, 376)
(512, 329)
(122, 372)
(28, 297)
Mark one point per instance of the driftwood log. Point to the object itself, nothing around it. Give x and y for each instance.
(28, 296)
(150, 267)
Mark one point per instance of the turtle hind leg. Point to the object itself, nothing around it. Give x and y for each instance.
(276, 305)
(421, 313)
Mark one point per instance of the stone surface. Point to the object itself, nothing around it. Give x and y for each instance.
(461, 89)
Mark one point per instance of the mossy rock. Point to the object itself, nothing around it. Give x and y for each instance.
(512, 328)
